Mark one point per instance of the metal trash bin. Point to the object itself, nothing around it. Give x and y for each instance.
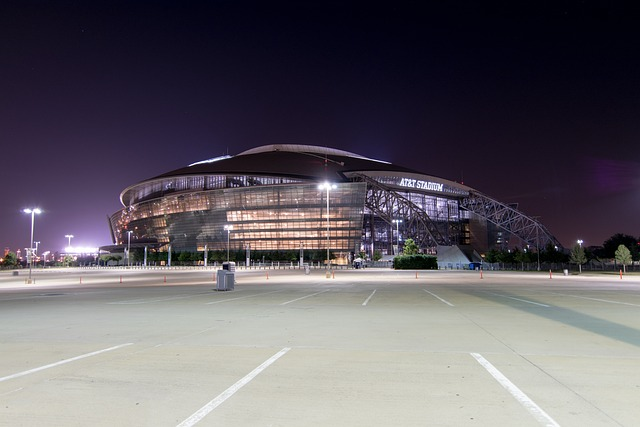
(566, 272)
(307, 269)
(221, 280)
(226, 277)
(230, 280)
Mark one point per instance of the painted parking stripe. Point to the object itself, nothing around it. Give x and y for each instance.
(369, 298)
(161, 299)
(218, 400)
(538, 413)
(520, 299)
(62, 362)
(598, 299)
(308, 296)
(441, 299)
(248, 296)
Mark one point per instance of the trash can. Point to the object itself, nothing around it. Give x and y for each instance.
(566, 272)
(307, 269)
(221, 280)
(230, 280)
(225, 279)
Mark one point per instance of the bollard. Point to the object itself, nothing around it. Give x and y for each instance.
(165, 279)
(120, 279)
(620, 274)
(267, 275)
(416, 274)
(549, 274)
(481, 273)
(81, 280)
(333, 274)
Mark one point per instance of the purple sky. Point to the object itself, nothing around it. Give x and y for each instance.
(537, 105)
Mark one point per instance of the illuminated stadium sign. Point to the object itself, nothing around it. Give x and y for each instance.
(421, 185)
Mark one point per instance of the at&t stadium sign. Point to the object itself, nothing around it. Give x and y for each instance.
(420, 185)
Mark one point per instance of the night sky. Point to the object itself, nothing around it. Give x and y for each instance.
(535, 103)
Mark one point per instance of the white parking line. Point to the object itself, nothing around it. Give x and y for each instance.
(237, 298)
(538, 413)
(152, 300)
(370, 296)
(62, 362)
(298, 299)
(441, 299)
(217, 401)
(521, 300)
(598, 299)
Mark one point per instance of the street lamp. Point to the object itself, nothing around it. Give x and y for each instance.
(33, 212)
(228, 227)
(327, 186)
(69, 236)
(129, 248)
(580, 242)
(397, 221)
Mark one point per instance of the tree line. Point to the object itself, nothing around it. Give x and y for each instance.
(622, 248)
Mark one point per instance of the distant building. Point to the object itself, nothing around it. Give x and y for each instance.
(268, 198)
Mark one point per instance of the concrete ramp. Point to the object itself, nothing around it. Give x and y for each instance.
(456, 257)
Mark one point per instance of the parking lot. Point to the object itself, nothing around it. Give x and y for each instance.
(361, 348)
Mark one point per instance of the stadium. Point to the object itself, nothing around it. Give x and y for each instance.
(302, 197)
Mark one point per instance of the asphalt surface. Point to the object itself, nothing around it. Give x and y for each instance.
(361, 348)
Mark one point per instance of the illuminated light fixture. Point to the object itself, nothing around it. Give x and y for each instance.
(327, 186)
(69, 236)
(228, 227)
(398, 221)
(33, 212)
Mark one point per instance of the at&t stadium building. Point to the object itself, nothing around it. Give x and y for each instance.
(275, 198)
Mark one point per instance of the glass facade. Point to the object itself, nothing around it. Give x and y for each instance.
(264, 217)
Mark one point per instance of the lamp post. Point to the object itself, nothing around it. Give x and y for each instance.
(228, 227)
(397, 221)
(69, 236)
(580, 242)
(327, 186)
(33, 212)
(129, 248)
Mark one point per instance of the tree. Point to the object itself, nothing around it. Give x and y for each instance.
(578, 256)
(623, 256)
(10, 260)
(611, 245)
(492, 256)
(410, 247)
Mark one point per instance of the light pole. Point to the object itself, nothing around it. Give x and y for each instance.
(33, 212)
(228, 227)
(69, 236)
(580, 242)
(328, 187)
(397, 221)
(129, 248)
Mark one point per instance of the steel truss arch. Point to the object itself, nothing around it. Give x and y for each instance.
(526, 228)
(388, 205)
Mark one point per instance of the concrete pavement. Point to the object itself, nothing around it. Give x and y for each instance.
(367, 347)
